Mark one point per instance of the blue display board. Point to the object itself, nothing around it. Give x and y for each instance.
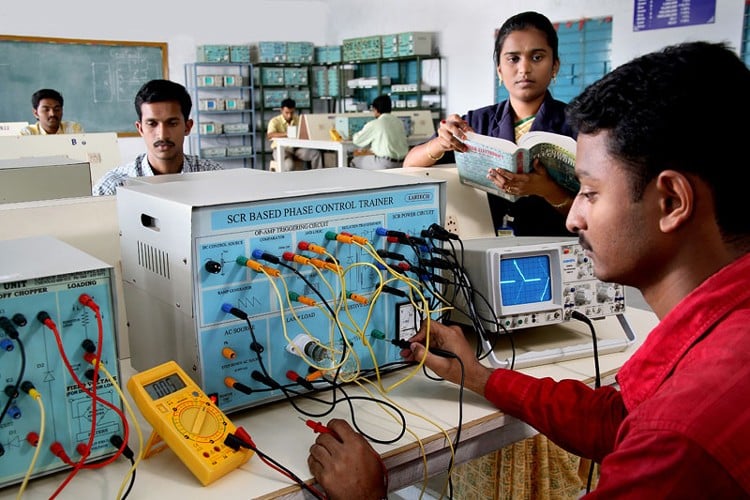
(658, 14)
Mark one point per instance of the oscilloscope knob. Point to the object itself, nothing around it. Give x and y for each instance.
(605, 293)
(583, 296)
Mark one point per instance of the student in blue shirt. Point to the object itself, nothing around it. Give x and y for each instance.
(163, 109)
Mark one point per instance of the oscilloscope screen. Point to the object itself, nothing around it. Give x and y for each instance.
(525, 280)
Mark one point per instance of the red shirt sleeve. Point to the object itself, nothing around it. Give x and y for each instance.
(578, 418)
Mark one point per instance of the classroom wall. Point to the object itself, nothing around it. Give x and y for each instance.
(183, 25)
(465, 30)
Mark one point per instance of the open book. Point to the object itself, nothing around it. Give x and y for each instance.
(556, 152)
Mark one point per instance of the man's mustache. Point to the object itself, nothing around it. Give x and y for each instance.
(584, 244)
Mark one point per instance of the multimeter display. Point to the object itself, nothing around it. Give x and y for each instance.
(187, 420)
(165, 386)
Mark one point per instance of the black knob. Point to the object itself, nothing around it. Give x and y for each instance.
(213, 267)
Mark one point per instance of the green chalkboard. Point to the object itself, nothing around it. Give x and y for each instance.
(97, 78)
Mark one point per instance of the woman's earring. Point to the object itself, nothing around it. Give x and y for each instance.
(554, 78)
(499, 82)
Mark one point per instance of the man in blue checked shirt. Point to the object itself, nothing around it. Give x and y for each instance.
(163, 109)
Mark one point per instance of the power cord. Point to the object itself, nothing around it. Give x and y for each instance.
(446, 354)
(585, 319)
(241, 439)
(12, 391)
(119, 443)
(597, 379)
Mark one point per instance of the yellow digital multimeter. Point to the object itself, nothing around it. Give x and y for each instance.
(187, 421)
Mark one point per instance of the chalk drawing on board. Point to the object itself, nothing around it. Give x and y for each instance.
(103, 88)
(132, 68)
(99, 78)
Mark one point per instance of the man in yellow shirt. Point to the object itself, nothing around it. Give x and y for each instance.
(278, 126)
(47, 105)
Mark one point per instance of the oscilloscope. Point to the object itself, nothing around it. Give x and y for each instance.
(536, 281)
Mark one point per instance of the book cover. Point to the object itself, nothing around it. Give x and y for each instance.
(556, 152)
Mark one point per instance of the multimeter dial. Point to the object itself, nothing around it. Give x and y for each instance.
(186, 419)
(198, 420)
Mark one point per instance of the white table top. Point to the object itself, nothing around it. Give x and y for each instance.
(278, 432)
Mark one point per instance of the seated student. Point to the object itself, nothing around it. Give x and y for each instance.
(47, 106)
(385, 136)
(163, 109)
(661, 209)
(278, 126)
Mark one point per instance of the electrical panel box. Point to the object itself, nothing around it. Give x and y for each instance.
(389, 45)
(295, 76)
(239, 53)
(271, 76)
(211, 128)
(45, 331)
(301, 97)
(273, 98)
(362, 48)
(239, 150)
(268, 52)
(415, 43)
(300, 52)
(236, 128)
(328, 54)
(198, 254)
(210, 80)
(232, 104)
(212, 53)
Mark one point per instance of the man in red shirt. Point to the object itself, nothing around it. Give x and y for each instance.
(663, 210)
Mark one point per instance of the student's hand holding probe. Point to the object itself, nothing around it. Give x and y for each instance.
(343, 461)
(447, 345)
